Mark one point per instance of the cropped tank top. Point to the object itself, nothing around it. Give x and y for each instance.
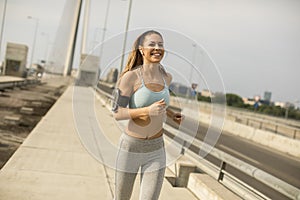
(143, 96)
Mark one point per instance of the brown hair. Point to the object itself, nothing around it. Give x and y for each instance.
(135, 57)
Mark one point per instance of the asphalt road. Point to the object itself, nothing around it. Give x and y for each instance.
(282, 166)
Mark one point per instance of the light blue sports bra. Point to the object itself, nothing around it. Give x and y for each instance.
(145, 97)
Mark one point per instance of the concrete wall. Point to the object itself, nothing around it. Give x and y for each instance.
(88, 71)
(205, 187)
(263, 137)
(16, 59)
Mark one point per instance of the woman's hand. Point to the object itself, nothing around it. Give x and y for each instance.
(175, 116)
(178, 117)
(157, 108)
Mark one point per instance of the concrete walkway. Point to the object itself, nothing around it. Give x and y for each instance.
(54, 164)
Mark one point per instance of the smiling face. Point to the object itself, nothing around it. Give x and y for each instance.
(152, 48)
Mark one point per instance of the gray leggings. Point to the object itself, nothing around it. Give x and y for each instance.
(135, 154)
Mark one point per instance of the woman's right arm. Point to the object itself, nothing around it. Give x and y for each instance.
(122, 97)
(155, 109)
(129, 113)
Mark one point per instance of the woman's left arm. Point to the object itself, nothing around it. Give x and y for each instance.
(175, 116)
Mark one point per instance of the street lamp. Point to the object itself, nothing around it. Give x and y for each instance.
(125, 37)
(193, 60)
(34, 39)
(46, 46)
(104, 29)
(1, 34)
(193, 85)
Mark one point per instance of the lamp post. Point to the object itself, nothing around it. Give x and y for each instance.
(297, 102)
(34, 39)
(1, 34)
(193, 86)
(104, 27)
(45, 57)
(193, 60)
(125, 37)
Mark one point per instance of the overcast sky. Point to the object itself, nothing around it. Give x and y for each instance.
(254, 43)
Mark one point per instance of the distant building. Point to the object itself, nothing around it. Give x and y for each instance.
(88, 71)
(255, 101)
(207, 93)
(248, 101)
(180, 89)
(280, 104)
(267, 96)
(257, 98)
(15, 59)
(112, 76)
(285, 104)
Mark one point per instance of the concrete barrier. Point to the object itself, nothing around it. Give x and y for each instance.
(239, 129)
(275, 141)
(205, 187)
(263, 137)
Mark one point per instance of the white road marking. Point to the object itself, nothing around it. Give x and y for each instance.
(239, 154)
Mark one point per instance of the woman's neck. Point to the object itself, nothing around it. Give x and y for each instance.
(151, 68)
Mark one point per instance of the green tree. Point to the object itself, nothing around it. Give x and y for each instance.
(234, 100)
(203, 98)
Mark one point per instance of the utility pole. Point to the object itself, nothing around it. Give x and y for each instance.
(1, 34)
(125, 37)
(34, 40)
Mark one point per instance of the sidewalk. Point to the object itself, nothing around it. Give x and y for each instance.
(53, 164)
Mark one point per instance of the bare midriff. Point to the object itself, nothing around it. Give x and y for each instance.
(145, 128)
(157, 135)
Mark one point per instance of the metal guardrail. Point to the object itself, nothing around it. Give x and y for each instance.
(257, 115)
(274, 127)
(220, 173)
(289, 128)
(17, 83)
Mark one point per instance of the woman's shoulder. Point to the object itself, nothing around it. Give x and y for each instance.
(167, 75)
(168, 78)
(130, 76)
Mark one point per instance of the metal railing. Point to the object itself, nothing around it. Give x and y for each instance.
(274, 127)
(219, 172)
(285, 127)
(17, 83)
(261, 116)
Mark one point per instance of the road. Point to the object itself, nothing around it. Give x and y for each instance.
(282, 166)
